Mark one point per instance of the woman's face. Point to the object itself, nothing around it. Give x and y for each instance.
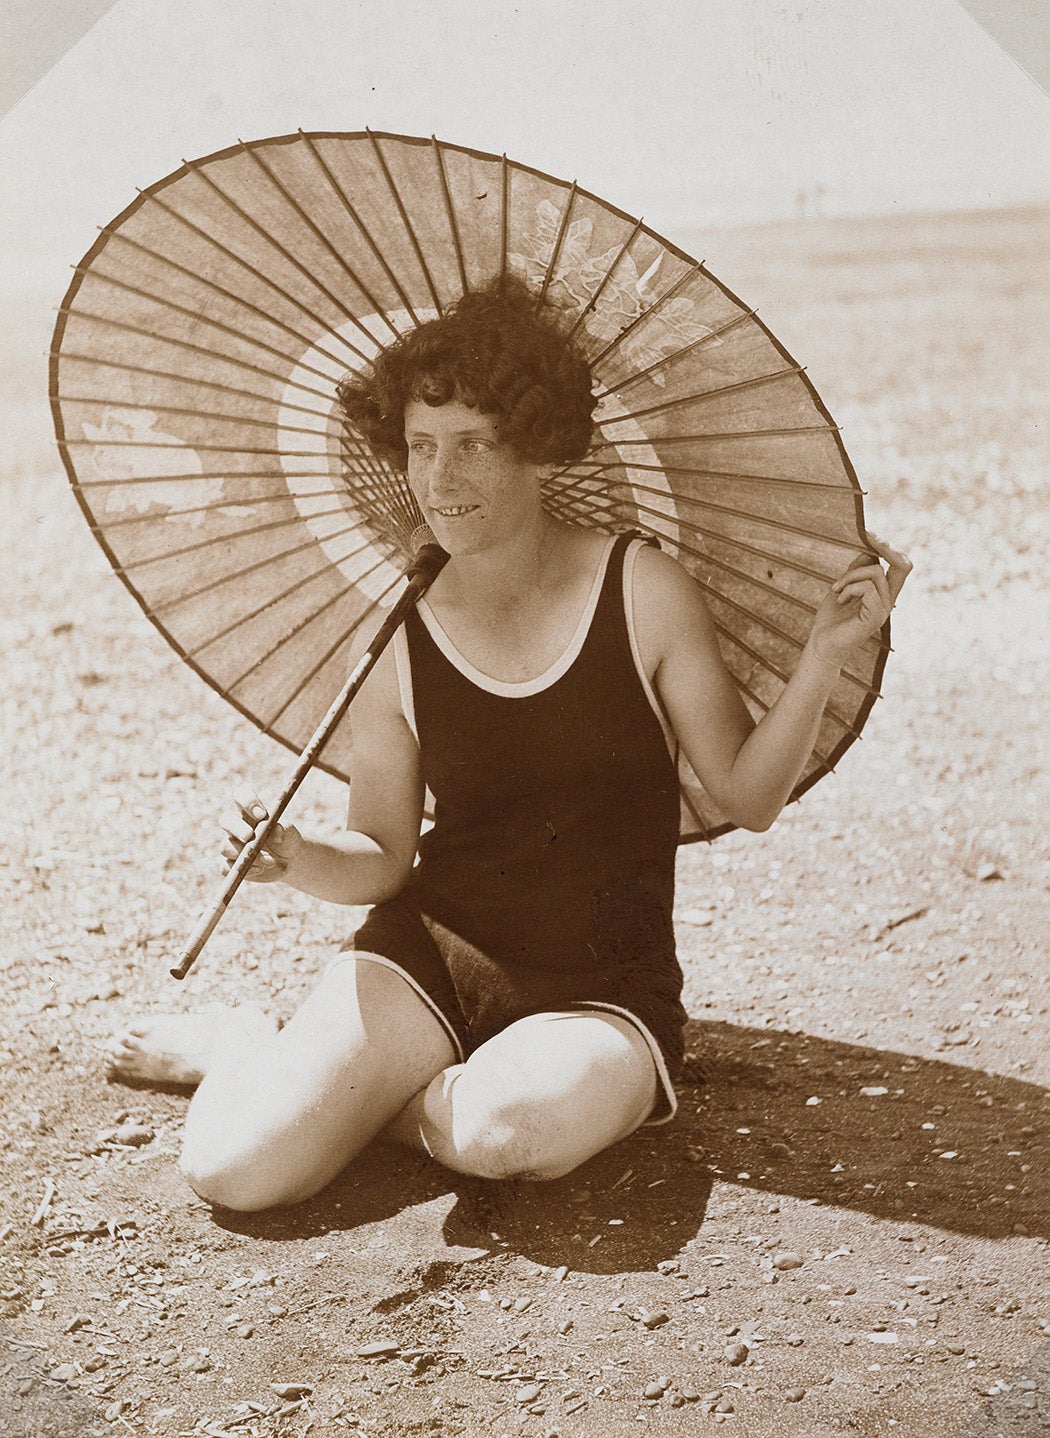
(473, 488)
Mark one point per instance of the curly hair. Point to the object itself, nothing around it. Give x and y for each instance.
(493, 351)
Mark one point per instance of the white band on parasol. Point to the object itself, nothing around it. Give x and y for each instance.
(313, 494)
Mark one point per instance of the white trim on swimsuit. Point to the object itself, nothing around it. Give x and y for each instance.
(521, 688)
(560, 666)
(582, 1006)
(630, 555)
(346, 954)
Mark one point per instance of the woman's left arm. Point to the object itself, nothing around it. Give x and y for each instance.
(750, 769)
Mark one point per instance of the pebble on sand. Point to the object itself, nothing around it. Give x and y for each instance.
(795, 1395)
(786, 1260)
(379, 1348)
(736, 1353)
(132, 1135)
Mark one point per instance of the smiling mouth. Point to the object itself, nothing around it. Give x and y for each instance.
(454, 510)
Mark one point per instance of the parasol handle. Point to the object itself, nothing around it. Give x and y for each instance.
(421, 573)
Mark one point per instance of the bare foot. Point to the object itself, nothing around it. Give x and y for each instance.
(178, 1048)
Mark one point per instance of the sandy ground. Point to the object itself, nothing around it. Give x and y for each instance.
(846, 1228)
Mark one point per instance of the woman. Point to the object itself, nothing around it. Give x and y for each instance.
(511, 1005)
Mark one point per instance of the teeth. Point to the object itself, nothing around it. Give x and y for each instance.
(457, 509)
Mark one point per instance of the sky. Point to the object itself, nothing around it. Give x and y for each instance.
(689, 112)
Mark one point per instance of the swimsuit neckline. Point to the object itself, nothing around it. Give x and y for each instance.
(521, 688)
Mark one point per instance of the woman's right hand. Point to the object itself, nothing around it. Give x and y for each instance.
(240, 826)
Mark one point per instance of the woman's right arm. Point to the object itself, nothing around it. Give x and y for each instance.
(373, 859)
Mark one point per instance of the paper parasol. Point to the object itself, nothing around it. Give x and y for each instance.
(193, 375)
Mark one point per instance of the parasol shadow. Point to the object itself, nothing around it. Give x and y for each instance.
(745, 1118)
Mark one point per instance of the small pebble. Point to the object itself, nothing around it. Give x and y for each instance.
(735, 1354)
(724, 1405)
(794, 1340)
(245, 1330)
(653, 1390)
(795, 1395)
(520, 1304)
(786, 1260)
(380, 1348)
(653, 1320)
(291, 1390)
(114, 1411)
(168, 1357)
(64, 1373)
(132, 1135)
(528, 1394)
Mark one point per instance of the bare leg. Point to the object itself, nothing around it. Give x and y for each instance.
(277, 1115)
(537, 1100)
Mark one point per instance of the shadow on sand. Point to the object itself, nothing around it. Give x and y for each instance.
(885, 1133)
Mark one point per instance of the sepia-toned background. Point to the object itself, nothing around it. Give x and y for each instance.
(866, 981)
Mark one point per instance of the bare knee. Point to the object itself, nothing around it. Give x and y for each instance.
(227, 1185)
(247, 1180)
(492, 1138)
(500, 1149)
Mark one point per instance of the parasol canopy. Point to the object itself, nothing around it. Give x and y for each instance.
(194, 368)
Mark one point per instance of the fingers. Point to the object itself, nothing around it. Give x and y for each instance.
(864, 570)
(251, 807)
(241, 823)
(900, 566)
(240, 826)
(857, 583)
(237, 827)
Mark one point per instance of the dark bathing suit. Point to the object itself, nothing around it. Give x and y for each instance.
(547, 881)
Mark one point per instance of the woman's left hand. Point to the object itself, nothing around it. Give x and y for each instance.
(858, 605)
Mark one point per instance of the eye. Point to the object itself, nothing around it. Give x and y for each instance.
(420, 447)
(475, 446)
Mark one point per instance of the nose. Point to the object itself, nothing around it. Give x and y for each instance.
(443, 476)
